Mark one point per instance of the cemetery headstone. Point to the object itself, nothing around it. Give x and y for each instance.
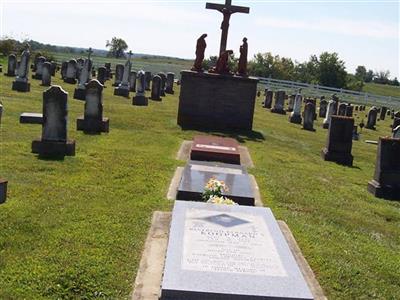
(383, 113)
(372, 116)
(39, 68)
(196, 174)
(295, 116)
(163, 81)
(46, 74)
(108, 70)
(279, 105)
(119, 73)
(54, 142)
(396, 132)
(156, 88)
(132, 81)
(340, 141)
(291, 103)
(79, 66)
(123, 88)
(386, 182)
(101, 75)
(31, 118)
(356, 135)
(229, 252)
(169, 88)
(342, 109)
(309, 112)
(213, 148)
(323, 105)
(53, 68)
(21, 82)
(147, 78)
(349, 111)
(12, 65)
(80, 91)
(329, 113)
(140, 98)
(70, 76)
(268, 99)
(3, 190)
(64, 67)
(93, 121)
(396, 120)
(335, 99)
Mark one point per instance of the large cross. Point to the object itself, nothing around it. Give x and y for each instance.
(226, 10)
(90, 51)
(129, 54)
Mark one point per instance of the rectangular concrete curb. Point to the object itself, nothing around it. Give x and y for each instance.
(256, 191)
(173, 187)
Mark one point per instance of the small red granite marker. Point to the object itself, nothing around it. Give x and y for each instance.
(212, 148)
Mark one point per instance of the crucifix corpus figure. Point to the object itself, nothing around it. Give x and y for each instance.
(227, 10)
(200, 49)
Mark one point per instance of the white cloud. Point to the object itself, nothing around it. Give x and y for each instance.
(372, 29)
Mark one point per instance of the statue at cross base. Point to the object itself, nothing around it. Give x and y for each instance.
(222, 66)
(200, 49)
(242, 66)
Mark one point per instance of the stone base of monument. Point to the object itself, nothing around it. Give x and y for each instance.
(37, 76)
(218, 102)
(93, 126)
(121, 92)
(140, 101)
(296, 119)
(370, 127)
(340, 158)
(169, 91)
(21, 86)
(280, 111)
(53, 149)
(70, 80)
(116, 84)
(132, 90)
(3, 190)
(155, 99)
(325, 125)
(80, 94)
(385, 192)
(31, 118)
(9, 74)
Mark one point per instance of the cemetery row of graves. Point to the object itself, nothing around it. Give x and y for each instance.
(84, 204)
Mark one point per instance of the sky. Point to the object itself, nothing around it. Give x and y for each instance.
(361, 32)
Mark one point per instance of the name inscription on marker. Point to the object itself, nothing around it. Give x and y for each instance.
(229, 243)
(215, 147)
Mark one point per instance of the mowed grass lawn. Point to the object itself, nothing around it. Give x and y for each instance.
(75, 229)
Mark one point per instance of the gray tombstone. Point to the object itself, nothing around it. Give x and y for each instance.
(169, 89)
(123, 88)
(108, 70)
(101, 75)
(309, 113)
(39, 68)
(372, 116)
(93, 121)
(21, 82)
(268, 99)
(383, 113)
(163, 82)
(156, 88)
(46, 74)
(12, 65)
(132, 81)
(323, 105)
(342, 109)
(64, 67)
(396, 132)
(54, 140)
(295, 116)
(349, 110)
(53, 68)
(291, 103)
(119, 73)
(140, 98)
(279, 105)
(147, 78)
(79, 66)
(70, 76)
(329, 113)
(80, 91)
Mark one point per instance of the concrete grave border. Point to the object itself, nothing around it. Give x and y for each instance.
(147, 285)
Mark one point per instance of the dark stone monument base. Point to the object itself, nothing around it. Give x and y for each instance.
(278, 111)
(121, 92)
(325, 125)
(37, 76)
(53, 149)
(116, 84)
(80, 94)
(308, 129)
(92, 126)
(156, 99)
(371, 127)
(140, 101)
(296, 119)
(385, 192)
(3, 190)
(21, 86)
(70, 80)
(339, 158)
(31, 118)
(217, 102)
(9, 74)
(169, 91)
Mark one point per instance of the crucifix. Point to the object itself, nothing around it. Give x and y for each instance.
(129, 54)
(90, 51)
(227, 10)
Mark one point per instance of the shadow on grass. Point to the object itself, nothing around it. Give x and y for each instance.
(51, 158)
(240, 136)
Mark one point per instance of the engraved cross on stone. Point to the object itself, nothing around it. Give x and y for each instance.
(227, 10)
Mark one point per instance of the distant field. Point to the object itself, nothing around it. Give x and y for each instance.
(382, 89)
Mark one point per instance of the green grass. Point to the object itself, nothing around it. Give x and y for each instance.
(382, 89)
(74, 229)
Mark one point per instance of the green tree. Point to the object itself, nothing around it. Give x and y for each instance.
(369, 76)
(361, 73)
(382, 77)
(332, 71)
(117, 47)
(7, 46)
